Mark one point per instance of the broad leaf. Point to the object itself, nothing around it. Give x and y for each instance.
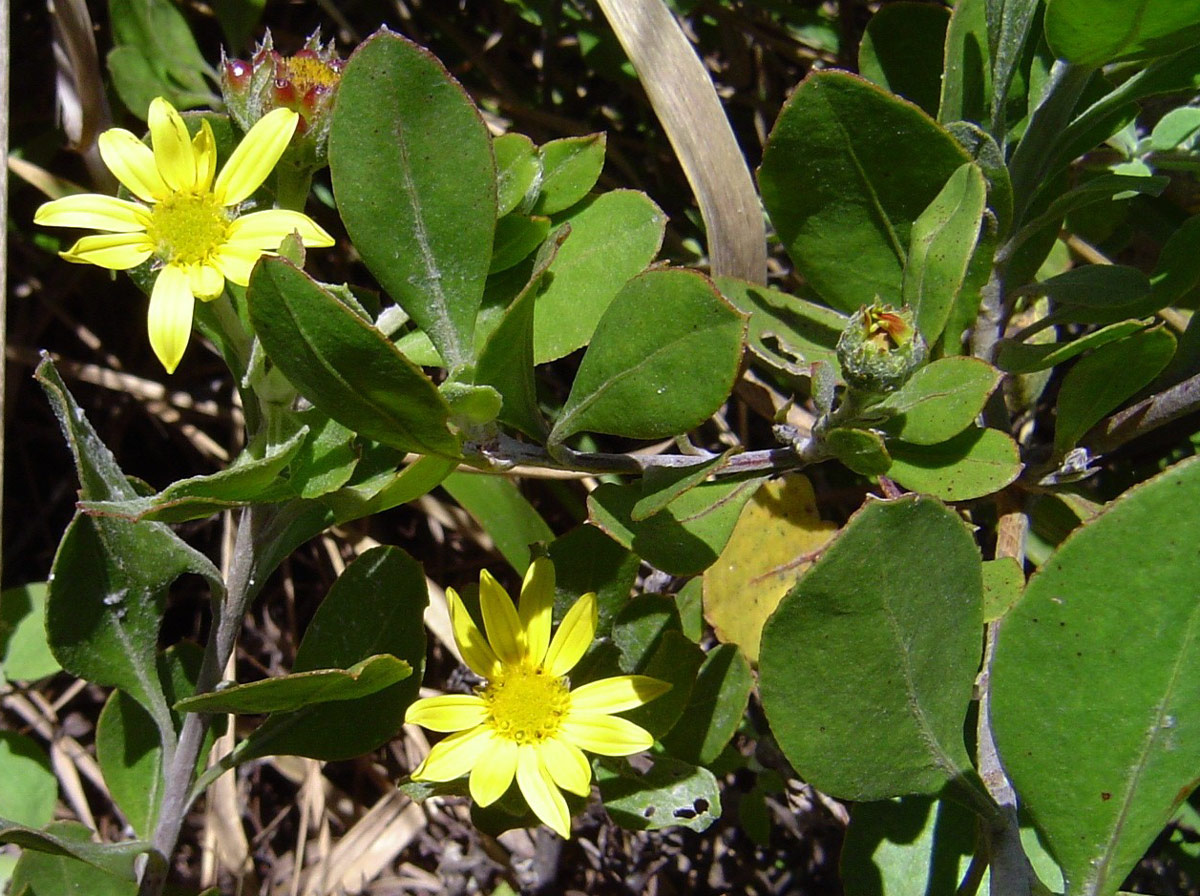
(901, 51)
(504, 513)
(570, 168)
(344, 365)
(612, 238)
(940, 400)
(661, 362)
(24, 652)
(975, 463)
(517, 169)
(1094, 32)
(375, 607)
(867, 665)
(422, 221)
(846, 171)
(1107, 639)
(30, 787)
(74, 841)
(1101, 381)
(669, 793)
(1030, 357)
(778, 535)
(716, 708)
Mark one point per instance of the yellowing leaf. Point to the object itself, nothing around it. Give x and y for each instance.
(773, 544)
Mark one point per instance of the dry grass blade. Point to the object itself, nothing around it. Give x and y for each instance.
(686, 103)
(82, 107)
(367, 848)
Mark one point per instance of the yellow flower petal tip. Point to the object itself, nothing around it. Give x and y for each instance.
(525, 721)
(186, 216)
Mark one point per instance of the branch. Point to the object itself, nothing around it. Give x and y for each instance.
(1144, 417)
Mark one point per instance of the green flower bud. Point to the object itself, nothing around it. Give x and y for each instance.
(880, 348)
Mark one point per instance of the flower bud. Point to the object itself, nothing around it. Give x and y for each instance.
(305, 83)
(880, 348)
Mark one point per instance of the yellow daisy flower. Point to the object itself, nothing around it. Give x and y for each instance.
(525, 721)
(187, 217)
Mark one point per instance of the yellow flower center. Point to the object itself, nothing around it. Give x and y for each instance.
(186, 229)
(306, 72)
(525, 703)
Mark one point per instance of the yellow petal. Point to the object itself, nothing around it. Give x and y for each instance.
(132, 162)
(475, 650)
(206, 281)
(173, 153)
(541, 792)
(236, 262)
(455, 756)
(204, 149)
(567, 766)
(574, 636)
(170, 317)
(252, 160)
(451, 712)
(537, 607)
(501, 621)
(492, 777)
(605, 735)
(93, 211)
(115, 251)
(267, 229)
(616, 694)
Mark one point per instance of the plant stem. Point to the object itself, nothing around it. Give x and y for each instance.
(1148, 414)
(242, 584)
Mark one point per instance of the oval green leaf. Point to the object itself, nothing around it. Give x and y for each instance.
(422, 220)
(847, 169)
(1107, 640)
(344, 365)
(1094, 32)
(661, 362)
(868, 664)
(974, 463)
(940, 401)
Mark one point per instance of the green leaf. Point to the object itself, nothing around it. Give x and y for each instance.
(73, 840)
(129, 746)
(1100, 294)
(901, 51)
(846, 171)
(344, 365)
(1003, 582)
(662, 360)
(570, 168)
(504, 513)
(384, 492)
(975, 463)
(662, 485)
(506, 359)
(24, 653)
(640, 626)
(1175, 129)
(868, 664)
(288, 693)
(1030, 357)
(612, 238)
(786, 333)
(423, 222)
(516, 238)
(1103, 380)
(103, 611)
(907, 847)
(940, 400)
(517, 169)
(715, 708)
(686, 536)
(585, 559)
(669, 793)
(1107, 639)
(1177, 272)
(327, 458)
(941, 245)
(675, 660)
(1095, 32)
(967, 81)
(155, 54)
(375, 607)
(862, 450)
(137, 79)
(30, 787)
(248, 479)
